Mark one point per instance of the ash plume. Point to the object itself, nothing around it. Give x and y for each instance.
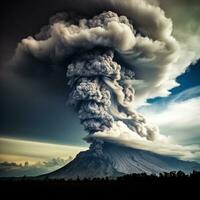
(115, 60)
(93, 78)
(99, 88)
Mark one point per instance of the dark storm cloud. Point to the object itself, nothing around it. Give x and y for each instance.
(158, 47)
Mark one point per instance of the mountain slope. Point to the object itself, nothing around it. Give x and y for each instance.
(113, 160)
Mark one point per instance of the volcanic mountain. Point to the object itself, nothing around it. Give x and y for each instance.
(112, 160)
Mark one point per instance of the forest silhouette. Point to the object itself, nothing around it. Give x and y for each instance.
(129, 184)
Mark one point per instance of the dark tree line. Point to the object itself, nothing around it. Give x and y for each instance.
(134, 183)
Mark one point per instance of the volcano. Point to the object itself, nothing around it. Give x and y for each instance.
(113, 160)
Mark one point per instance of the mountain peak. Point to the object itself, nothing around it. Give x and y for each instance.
(112, 160)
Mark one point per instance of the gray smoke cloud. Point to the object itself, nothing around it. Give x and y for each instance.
(94, 77)
(90, 95)
(115, 60)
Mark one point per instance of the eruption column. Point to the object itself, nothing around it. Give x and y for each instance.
(89, 93)
(94, 78)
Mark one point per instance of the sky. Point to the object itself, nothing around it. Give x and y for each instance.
(38, 117)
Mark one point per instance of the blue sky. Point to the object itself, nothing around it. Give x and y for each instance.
(187, 80)
(189, 89)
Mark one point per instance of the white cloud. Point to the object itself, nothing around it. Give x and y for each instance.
(121, 134)
(12, 169)
(178, 118)
(31, 158)
(179, 114)
(178, 121)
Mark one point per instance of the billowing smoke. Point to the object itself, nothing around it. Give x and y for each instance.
(100, 88)
(115, 60)
(93, 78)
(97, 82)
(89, 92)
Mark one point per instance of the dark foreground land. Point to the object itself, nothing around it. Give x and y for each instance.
(136, 184)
